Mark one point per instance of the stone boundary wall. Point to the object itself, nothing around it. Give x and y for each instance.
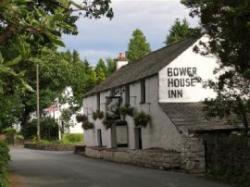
(158, 159)
(193, 156)
(49, 147)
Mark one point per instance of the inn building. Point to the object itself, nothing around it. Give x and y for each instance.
(167, 85)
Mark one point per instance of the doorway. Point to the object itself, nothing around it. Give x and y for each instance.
(99, 137)
(138, 138)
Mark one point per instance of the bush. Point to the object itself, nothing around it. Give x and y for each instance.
(229, 160)
(4, 158)
(49, 129)
(10, 135)
(72, 138)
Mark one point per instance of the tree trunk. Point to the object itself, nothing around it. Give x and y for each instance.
(243, 115)
(25, 117)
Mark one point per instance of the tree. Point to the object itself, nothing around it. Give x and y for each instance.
(30, 34)
(180, 31)
(101, 71)
(227, 24)
(65, 118)
(138, 46)
(111, 66)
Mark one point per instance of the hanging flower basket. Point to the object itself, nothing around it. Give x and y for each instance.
(81, 118)
(127, 111)
(98, 115)
(87, 125)
(141, 119)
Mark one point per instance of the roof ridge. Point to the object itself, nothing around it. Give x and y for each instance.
(165, 55)
(162, 48)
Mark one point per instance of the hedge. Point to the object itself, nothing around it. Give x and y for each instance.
(4, 159)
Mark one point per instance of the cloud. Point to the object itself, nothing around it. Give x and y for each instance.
(105, 37)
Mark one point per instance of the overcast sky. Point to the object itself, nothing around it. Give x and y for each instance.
(104, 38)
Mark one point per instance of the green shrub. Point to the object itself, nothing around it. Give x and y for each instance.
(4, 158)
(72, 138)
(10, 135)
(49, 129)
(230, 161)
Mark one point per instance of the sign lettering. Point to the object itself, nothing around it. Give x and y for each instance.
(179, 78)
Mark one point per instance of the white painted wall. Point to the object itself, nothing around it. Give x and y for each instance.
(56, 114)
(90, 106)
(202, 65)
(162, 133)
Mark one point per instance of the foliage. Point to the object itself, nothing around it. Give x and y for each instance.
(180, 31)
(230, 160)
(111, 66)
(141, 119)
(4, 159)
(10, 134)
(49, 129)
(72, 138)
(104, 68)
(30, 34)
(227, 24)
(127, 110)
(138, 46)
(98, 115)
(87, 125)
(66, 116)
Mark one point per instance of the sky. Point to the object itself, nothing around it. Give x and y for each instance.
(105, 38)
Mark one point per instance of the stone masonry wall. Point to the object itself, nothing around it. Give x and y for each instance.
(193, 155)
(146, 158)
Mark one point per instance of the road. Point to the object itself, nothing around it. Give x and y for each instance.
(64, 169)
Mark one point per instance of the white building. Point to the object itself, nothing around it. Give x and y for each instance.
(55, 111)
(167, 84)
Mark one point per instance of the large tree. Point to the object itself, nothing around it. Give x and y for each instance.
(138, 46)
(180, 31)
(228, 25)
(30, 33)
(101, 71)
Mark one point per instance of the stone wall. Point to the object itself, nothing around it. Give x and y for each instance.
(193, 155)
(159, 159)
(49, 147)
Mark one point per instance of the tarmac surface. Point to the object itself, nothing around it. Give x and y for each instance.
(64, 169)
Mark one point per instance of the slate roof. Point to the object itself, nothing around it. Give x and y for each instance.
(148, 66)
(190, 117)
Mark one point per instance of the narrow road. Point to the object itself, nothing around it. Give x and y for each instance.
(63, 169)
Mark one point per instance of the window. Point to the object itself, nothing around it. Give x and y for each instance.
(98, 102)
(143, 91)
(127, 95)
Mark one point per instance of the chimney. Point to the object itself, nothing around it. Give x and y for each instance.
(121, 61)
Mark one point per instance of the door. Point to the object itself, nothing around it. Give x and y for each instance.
(138, 138)
(99, 137)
